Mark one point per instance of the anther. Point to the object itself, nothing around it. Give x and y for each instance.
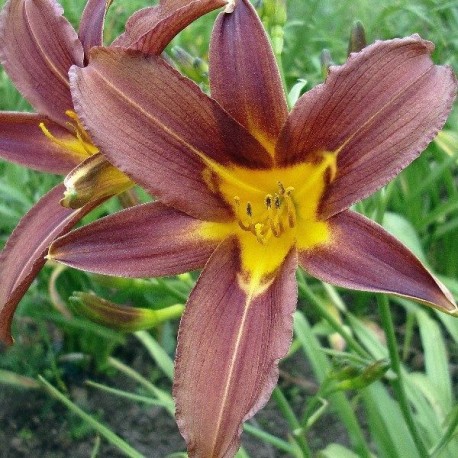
(242, 226)
(281, 188)
(249, 210)
(277, 201)
(268, 201)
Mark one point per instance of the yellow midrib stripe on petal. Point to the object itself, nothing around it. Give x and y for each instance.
(230, 376)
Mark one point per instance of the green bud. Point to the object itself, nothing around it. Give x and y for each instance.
(193, 67)
(357, 39)
(353, 378)
(272, 12)
(121, 317)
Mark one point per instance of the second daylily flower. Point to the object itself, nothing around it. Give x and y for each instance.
(247, 191)
(37, 48)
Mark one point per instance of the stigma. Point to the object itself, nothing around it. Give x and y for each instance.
(277, 215)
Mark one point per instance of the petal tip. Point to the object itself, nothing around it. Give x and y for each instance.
(230, 6)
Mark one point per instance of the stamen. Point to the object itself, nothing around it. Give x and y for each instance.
(78, 126)
(278, 216)
(258, 229)
(268, 201)
(273, 227)
(249, 210)
(239, 216)
(80, 144)
(50, 135)
(290, 208)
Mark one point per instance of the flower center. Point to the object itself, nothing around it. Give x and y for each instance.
(78, 142)
(275, 218)
(273, 210)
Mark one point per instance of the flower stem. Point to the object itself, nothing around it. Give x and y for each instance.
(397, 382)
(318, 303)
(290, 416)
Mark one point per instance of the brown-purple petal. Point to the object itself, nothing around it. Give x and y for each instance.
(37, 48)
(151, 29)
(159, 128)
(143, 241)
(22, 141)
(91, 25)
(379, 111)
(362, 255)
(229, 345)
(244, 76)
(24, 253)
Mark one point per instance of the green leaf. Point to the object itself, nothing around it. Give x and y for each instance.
(386, 424)
(295, 92)
(162, 359)
(336, 450)
(436, 360)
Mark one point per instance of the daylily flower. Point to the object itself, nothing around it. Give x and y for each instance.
(247, 191)
(37, 48)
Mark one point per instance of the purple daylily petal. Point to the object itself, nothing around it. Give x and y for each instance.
(91, 24)
(143, 241)
(362, 255)
(163, 139)
(230, 342)
(37, 48)
(244, 76)
(151, 29)
(24, 253)
(22, 141)
(377, 113)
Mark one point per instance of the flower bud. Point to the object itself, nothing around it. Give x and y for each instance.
(121, 317)
(357, 39)
(193, 67)
(351, 377)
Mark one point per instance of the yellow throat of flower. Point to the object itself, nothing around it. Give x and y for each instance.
(77, 143)
(273, 210)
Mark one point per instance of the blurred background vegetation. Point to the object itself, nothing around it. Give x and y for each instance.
(340, 343)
